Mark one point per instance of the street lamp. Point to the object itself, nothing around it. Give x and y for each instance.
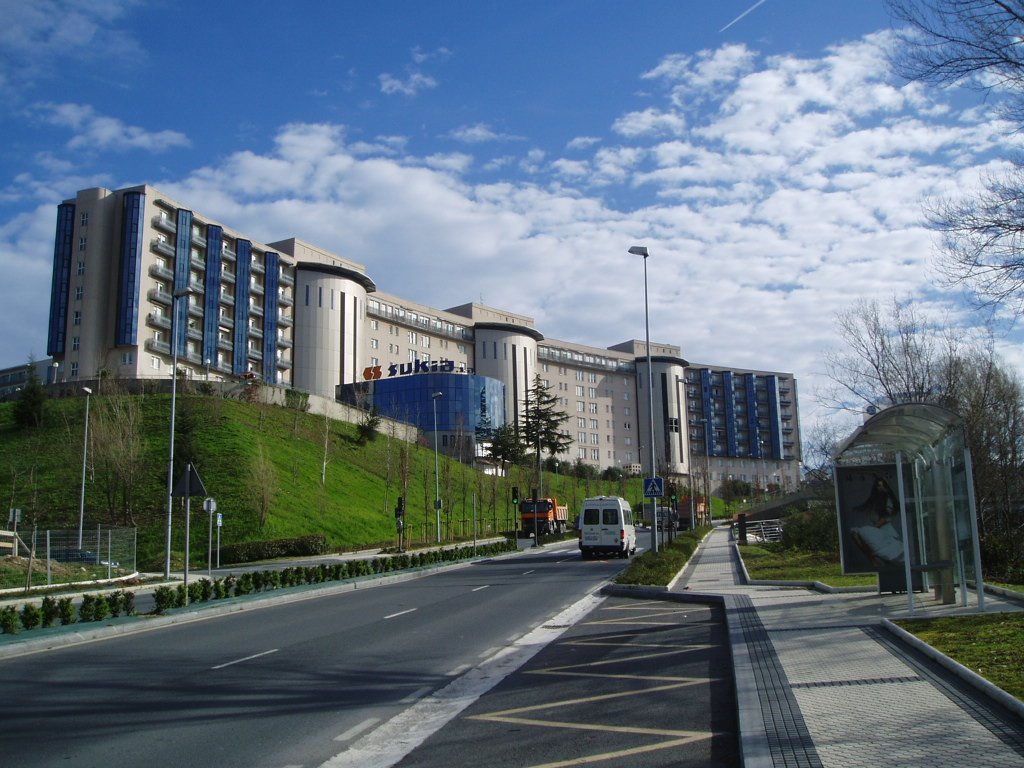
(85, 453)
(641, 250)
(437, 471)
(181, 292)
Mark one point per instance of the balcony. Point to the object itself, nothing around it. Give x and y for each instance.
(227, 254)
(258, 268)
(156, 320)
(227, 277)
(158, 270)
(284, 342)
(161, 247)
(285, 321)
(284, 299)
(160, 347)
(159, 297)
(165, 224)
(287, 278)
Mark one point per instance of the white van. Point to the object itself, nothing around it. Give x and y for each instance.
(606, 526)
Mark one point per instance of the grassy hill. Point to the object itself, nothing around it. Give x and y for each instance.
(264, 465)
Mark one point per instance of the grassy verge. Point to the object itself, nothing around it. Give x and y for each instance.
(772, 563)
(658, 569)
(988, 644)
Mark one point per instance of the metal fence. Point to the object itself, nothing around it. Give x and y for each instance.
(68, 556)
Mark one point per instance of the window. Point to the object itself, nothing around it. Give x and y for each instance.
(593, 408)
(594, 439)
(592, 392)
(81, 267)
(412, 355)
(127, 358)
(374, 361)
(628, 441)
(625, 395)
(581, 453)
(595, 454)
(581, 407)
(425, 342)
(579, 391)
(85, 218)
(154, 363)
(412, 337)
(374, 325)
(593, 424)
(77, 317)
(581, 422)
(581, 437)
(374, 344)
(74, 370)
(78, 293)
(81, 243)
(75, 343)
(592, 378)
(579, 375)
(626, 412)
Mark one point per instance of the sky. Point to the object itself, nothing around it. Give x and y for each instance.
(510, 153)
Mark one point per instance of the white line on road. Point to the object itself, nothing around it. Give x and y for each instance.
(355, 730)
(527, 573)
(459, 670)
(247, 658)
(416, 695)
(400, 613)
(490, 652)
(477, 589)
(400, 735)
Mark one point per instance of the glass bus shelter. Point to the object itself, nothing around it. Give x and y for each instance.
(905, 498)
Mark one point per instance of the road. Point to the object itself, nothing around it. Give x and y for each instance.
(288, 685)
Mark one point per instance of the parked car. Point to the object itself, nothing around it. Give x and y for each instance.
(86, 556)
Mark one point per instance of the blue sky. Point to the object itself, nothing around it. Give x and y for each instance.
(510, 153)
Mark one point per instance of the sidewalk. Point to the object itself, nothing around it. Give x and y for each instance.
(821, 682)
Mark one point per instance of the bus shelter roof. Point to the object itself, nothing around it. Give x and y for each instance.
(913, 429)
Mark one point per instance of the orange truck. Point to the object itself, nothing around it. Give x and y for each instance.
(546, 514)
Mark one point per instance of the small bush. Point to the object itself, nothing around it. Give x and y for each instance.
(66, 611)
(164, 598)
(9, 622)
(31, 616)
(50, 611)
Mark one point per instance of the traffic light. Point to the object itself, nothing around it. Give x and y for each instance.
(515, 495)
(673, 492)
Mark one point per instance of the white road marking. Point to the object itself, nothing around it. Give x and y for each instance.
(477, 589)
(459, 670)
(490, 652)
(527, 573)
(247, 658)
(400, 735)
(355, 730)
(416, 695)
(400, 613)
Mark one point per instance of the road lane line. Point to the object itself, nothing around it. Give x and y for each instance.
(355, 730)
(527, 573)
(489, 652)
(416, 695)
(400, 613)
(459, 670)
(477, 589)
(387, 745)
(247, 658)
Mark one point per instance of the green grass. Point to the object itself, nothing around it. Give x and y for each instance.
(988, 644)
(40, 472)
(772, 563)
(659, 568)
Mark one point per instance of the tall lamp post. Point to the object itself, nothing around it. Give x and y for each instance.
(641, 250)
(181, 292)
(85, 453)
(437, 471)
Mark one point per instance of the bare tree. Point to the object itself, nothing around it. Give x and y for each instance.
(117, 450)
(974, 43)
(262, 483)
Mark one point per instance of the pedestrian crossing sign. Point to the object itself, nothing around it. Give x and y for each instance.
(654, 487)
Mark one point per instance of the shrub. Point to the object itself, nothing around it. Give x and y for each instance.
(31, 616)
(195, 591)
(85, 610)
(164, 598)
(114, 602)
(813, 530)
(50, 611)
(128, 603)
(66, 611)
(9, 622)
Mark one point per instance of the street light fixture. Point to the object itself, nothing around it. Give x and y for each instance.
(85, 453)
(641, 250)
(437, 471)
(180, 293)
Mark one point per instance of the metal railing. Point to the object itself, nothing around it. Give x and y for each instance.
(105, 552)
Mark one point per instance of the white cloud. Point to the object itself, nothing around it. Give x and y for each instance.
(650, 122)
(95, 132)
(583, 142)
(480, 133)
(410, 86)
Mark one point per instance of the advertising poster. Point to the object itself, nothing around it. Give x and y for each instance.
(870, 518)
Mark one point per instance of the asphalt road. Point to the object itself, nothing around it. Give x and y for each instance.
(289, 685)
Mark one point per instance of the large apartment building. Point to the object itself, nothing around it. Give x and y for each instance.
(296, 316)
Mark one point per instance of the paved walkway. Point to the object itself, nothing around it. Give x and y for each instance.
(821, 682)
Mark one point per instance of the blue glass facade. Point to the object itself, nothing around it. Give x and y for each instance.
(133, 208)
(273, 280)
(211, 287)
(182, 267)
(61, 285)
(243, 274)
(467, 403)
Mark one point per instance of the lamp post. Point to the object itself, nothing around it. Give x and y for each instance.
(641, 250)
(85, 453)
(437, 471)
(181, 292)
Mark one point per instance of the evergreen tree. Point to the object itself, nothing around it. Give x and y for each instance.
(28, 410)
(544, 420)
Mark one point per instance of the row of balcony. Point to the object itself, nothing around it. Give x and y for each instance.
(164, 348)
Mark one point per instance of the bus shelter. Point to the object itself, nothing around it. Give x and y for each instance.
(905, 500)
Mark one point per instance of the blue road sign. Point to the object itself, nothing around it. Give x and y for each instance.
(654, 487)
